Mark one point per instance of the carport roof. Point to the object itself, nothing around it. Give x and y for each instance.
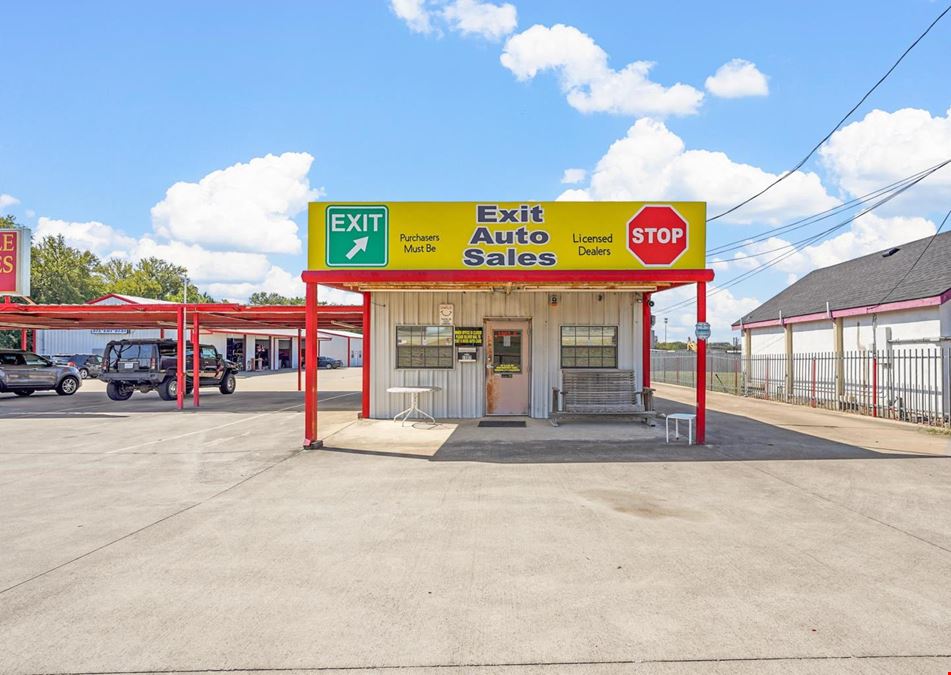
(218, 316)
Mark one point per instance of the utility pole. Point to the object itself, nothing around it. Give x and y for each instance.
(665, 330)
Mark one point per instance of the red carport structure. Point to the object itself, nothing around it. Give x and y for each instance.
(178, 316)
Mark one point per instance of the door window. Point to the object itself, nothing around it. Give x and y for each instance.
(11, 360)
(507, 350)
(208, 353)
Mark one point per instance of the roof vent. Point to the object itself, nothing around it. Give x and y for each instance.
(890, 252)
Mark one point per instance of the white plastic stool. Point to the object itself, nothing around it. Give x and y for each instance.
(676, 417)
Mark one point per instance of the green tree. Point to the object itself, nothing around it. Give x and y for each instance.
(150, 278)
(61, 274)
(263, 298)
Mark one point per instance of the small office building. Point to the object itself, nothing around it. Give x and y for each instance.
(493, 302)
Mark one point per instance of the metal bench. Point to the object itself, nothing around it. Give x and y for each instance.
(601, 393)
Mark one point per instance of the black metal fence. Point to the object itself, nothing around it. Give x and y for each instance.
(913, 385)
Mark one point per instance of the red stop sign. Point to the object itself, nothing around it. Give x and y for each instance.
(657, 235)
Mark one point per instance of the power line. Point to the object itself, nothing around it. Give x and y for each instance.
(811, 238)
(837, 126)
(822, 215)
(918, 259)
(775, 261)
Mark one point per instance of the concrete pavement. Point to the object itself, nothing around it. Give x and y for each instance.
(138, 539)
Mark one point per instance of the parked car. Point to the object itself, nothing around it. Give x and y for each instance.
(327, 362)
(89, 365)
(23, 373)
(146, 365)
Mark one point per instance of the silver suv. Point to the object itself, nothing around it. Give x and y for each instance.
(22, 373)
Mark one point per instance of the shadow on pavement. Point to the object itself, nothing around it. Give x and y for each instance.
(730, 438)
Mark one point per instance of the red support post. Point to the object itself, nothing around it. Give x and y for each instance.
(701, 366)
(310, 368)
(196, 359)
(23, 340)
(35, 341)
(646, 337)
(365, 411)
(299, 387)
(180, 359)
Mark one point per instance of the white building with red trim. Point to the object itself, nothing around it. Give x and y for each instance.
(873, 332)
(898, 298)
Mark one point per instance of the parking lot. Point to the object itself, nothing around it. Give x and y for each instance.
(136, 538)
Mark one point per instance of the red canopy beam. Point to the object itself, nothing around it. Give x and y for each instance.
(180, 360)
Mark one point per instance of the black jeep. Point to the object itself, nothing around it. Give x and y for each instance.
(144, 365)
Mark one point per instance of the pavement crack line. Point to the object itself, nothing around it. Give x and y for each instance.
(150, 525)
(510, 664)
(818, 496)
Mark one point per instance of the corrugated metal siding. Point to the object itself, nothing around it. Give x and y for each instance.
(463, 387)
(87, 342)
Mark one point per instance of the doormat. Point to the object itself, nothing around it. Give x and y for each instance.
(502, 423)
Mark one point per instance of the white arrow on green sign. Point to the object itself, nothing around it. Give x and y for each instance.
(357, 236)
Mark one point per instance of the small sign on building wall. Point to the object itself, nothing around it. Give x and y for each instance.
(445, 314)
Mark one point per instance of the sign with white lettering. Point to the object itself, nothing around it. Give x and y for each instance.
(15, 261)
(508, 235)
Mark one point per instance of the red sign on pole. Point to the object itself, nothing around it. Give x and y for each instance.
(9, 254)
(657, 235)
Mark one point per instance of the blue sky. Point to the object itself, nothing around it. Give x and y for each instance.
(107, 106)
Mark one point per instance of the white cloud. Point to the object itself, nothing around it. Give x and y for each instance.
(272, 188)
(247, 206)
(588, 82)
(575, 195)
(573, 176)
(867, 234)
(103, 240)
(651, 162)
(723, 308)
(472, 17)
(278, 280)
(885, 147)
(414, 13)
(737, 78)
(8, 200)
(204, 265)
(274, 280)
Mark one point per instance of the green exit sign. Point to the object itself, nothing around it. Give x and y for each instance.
(357, 236)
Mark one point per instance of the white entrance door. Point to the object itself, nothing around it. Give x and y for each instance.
(508, 372)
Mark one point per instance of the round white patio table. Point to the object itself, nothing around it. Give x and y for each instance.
(414, 408)
(677, 417)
